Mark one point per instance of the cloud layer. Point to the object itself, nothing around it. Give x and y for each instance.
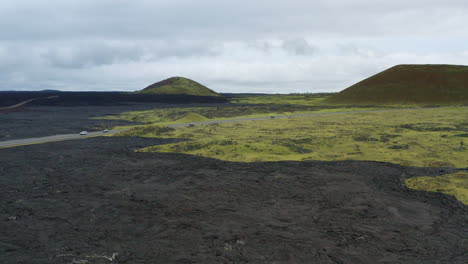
(231, 46)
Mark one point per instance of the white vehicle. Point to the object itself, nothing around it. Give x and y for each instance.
(105, 131)
(82, 133)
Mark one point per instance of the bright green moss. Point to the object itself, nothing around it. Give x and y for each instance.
(187, 115)
(453, 184)
(378, 136)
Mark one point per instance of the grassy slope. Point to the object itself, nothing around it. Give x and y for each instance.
(178, 85)
(410, 84)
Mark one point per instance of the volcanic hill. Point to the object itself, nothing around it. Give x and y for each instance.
(179, 85)
(410, 84)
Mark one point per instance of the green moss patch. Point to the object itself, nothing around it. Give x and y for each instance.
(453, 184)
(376, 136)
(192, 117)
(192, 114)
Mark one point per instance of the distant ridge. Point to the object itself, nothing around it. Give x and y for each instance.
(410, 84)
(50, 91)
(179, 85)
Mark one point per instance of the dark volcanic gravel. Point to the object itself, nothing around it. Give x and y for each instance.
(41, 121)
(96, 201)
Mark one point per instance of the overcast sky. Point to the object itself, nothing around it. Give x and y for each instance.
(266, 46)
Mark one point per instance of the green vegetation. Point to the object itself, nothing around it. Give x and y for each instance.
(410, 84)
(292, 99)
(198, 114)
(429, 137)
(178, 85)
(454, 184)
(191, 117)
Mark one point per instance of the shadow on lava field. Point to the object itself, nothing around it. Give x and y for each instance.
(98, 200)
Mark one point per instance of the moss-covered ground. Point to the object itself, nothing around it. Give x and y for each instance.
(292, 99)
(455, 184)
(166, 116)
(424, 138)
(429, 137)
(322, 100)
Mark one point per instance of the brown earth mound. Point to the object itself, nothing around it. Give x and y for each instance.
(410, 84)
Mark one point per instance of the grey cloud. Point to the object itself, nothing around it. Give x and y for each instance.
(298, 46)
(99, 43)
(77, 56)
(356, 49)
(263, 46)
(184, 48)
(209, 18)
